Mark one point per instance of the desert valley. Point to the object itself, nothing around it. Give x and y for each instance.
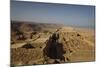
(49, 43)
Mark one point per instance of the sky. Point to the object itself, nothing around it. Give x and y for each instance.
(75, 15)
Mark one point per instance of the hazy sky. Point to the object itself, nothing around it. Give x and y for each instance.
(53, 13)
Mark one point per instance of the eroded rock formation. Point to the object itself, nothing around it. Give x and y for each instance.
(55, 48)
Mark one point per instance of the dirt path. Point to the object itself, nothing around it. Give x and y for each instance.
(17, 45)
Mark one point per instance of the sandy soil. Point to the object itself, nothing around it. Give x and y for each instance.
(79, 46)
